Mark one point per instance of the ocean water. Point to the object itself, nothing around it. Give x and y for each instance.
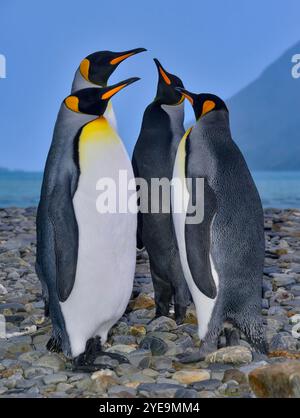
(277, 189)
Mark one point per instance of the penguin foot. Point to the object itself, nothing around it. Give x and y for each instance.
(180, 312)
(88, 361)
(232, 336)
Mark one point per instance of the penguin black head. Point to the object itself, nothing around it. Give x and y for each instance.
(93, 101)
(203, 103)
(167, 83)
(98, 67)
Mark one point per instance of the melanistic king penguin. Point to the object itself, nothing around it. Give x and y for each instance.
(222, 256)
(153, 158)
(85, 258)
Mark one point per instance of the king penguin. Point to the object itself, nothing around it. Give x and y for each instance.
(153, 158)
(85, 258)
(222, 256)
(93, 71)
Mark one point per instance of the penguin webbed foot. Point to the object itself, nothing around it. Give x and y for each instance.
(88, 360)
(232, 336)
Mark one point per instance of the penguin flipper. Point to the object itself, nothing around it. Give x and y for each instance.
(62, 217)
(197, 240)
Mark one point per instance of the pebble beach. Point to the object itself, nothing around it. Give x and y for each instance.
(27, 369)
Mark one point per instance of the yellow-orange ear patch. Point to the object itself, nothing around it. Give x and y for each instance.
(84, 68)
(164, 76)
(111, 92)
(208, 105)
(72, 103)
(120, 58)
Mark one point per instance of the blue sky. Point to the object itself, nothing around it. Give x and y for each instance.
(217, 46)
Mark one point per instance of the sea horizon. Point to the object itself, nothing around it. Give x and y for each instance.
(277, 189)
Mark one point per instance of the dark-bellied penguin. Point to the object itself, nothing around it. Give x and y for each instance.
(153, 158)
(93, 71)
(222, 256)
(85, 257)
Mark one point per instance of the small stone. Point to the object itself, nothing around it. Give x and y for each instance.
(236, 375)
(137, 330)
(3, 290)
(283, 341)
(158, 390)
(232, 355)
(36, 371)
(52, 361)
(276, 380)
(282, 280)
(119, 391)
(188, 377)
(162, 324)
(64, 387)
(103, 379)
(140, 358)
(157, 346)
(53, 379)
(161, 363)
(143, 301)
(186, 393)
(209, 384)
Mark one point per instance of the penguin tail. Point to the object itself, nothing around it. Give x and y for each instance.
(253, 328)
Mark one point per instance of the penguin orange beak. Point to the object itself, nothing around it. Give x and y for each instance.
(124, 55)
(109, 92)
(185, 94)
(162, 72)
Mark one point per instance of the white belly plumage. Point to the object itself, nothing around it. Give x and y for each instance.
(204, 305)
(107, 242)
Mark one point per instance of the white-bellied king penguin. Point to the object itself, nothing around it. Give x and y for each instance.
(93, 71)
(85, 258)
(223, 256)
(153, 158)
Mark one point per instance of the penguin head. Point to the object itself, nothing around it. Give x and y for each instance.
(166, 88)
(98, 67)
(93, 101)
(203, 103)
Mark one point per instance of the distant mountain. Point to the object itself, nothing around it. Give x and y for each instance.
(265, 117)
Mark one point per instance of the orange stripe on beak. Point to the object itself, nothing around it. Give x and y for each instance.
(164, 76)
(111, 92)
(190, 99)
(121, 58)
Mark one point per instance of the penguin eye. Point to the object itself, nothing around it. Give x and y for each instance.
(208, 105)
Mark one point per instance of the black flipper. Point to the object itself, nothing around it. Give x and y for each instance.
(62, 216)
(198, 236)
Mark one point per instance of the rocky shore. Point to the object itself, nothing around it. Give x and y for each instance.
(28, 370)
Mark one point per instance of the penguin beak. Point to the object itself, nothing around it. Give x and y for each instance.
(110, 91)
(124, 55)
(162, 72)
(186, 94)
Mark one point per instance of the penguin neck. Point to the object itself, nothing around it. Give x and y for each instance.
(175, 113)
(80, 82)
(68, 123)
(212, 121)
